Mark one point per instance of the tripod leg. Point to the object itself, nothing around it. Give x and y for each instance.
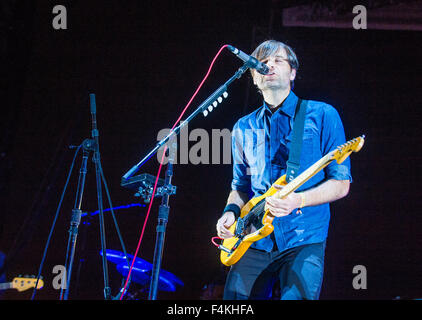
(75, 220)
(107, 289)
(73, 233)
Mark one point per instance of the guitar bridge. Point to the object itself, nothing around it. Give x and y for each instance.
(233, 249)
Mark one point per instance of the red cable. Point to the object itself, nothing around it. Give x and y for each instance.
(213, 241)
(159, 169)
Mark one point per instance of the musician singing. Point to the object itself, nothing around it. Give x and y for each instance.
(294, 253)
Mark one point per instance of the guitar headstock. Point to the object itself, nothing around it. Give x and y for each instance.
(25, 283)
(344, 150)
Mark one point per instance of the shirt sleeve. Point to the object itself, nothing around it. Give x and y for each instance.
(332, 136)
(241, 179)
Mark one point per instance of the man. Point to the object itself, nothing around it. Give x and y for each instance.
(294, 253)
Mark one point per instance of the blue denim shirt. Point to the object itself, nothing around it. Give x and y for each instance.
(260, 147)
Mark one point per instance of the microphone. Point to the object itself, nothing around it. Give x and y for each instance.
(251, 62)
(93, 106)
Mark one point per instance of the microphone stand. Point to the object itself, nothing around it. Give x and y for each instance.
(163, 214)
(88, 145)
(97, 162)
(164, 209)
(210, 101)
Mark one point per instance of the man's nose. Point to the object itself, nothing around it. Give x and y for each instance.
(270, 64)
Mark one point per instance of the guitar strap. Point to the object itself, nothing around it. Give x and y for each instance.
(293, 163)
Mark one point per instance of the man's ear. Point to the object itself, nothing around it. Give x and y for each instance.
(292, 74)
(254, 76)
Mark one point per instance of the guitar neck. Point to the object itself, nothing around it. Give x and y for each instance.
(305, 176)
(6, 285)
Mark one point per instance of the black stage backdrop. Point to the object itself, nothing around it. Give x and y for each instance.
(143, 61)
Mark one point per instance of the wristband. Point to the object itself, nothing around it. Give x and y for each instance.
(233, 208)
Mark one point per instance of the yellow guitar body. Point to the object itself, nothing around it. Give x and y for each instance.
(267, 220)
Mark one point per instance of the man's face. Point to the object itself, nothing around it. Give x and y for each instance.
(280, 73)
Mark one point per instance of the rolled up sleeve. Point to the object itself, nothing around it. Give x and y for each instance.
(333, 136)
(241, 179)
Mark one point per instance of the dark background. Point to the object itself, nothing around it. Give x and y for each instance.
(143, 60)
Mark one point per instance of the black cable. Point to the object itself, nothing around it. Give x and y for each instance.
(116, 225)
(54, 222)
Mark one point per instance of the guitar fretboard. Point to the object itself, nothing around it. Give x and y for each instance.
(305, 176)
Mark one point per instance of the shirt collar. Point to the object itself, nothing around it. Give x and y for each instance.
(288, 106)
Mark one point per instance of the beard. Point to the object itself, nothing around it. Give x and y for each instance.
(274, 85)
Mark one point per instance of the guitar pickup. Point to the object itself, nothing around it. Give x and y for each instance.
(240, 227)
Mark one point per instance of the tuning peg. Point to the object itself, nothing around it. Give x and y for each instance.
(205, 112)
(225, 94)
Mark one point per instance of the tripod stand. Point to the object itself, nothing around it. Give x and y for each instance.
(88, 145)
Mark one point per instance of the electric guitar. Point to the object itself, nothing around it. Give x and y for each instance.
(255, 221)
(22, 283)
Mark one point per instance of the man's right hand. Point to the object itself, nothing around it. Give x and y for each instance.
(224, 223)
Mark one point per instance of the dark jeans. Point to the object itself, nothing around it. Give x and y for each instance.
(299, 270)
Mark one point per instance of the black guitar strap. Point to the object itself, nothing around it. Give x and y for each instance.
(293, 163)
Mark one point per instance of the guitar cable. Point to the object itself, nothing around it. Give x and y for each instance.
(213, 241)
(220, 246)
(161, 163)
